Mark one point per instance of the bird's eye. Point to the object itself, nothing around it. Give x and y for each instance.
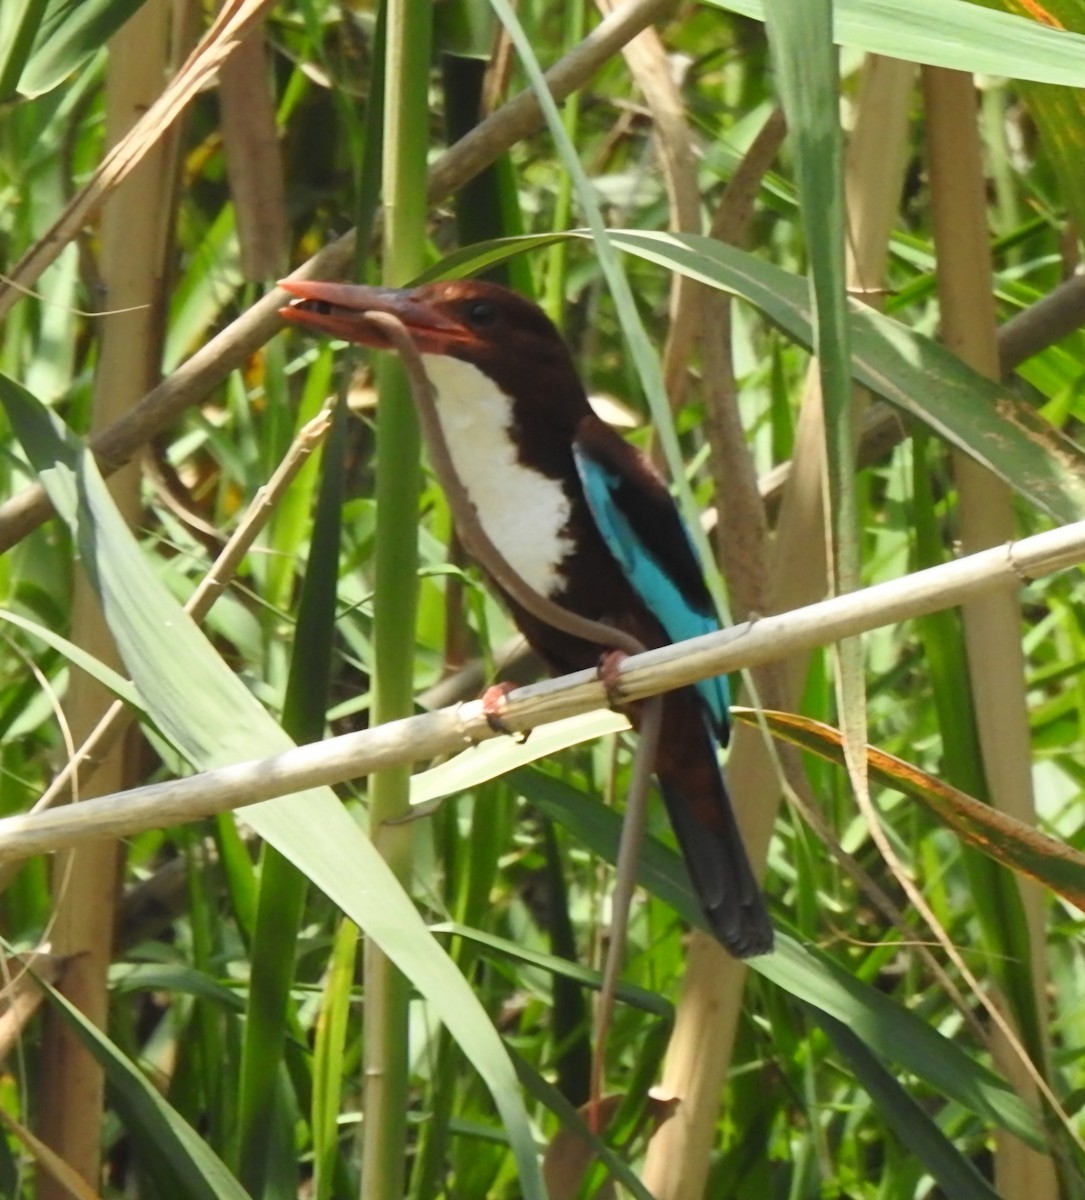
(482, 312)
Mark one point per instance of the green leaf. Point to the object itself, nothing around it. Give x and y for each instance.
(173, 977)
(917, 1132)
(487, 761)
(627, 993)
(69, 33)
(112, 680)
(209, 712)
(912, 372)
(896, 1035)
(19, 21)
(182, 1162)
(1004, 838)
(951, 33)
(807, 78)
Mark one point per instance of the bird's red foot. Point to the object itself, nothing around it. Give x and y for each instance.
(610, 665)
(493, 709)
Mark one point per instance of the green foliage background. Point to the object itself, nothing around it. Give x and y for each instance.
(234, 1047)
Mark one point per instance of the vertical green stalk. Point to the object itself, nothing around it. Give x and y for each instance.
(328, 1056)
(557, 256)
(805, 59)
(406, 121)
(280, 906)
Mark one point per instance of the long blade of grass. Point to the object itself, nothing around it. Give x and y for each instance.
(18, 28)
(1013, 843)
(917, 1132)
(909, 370)
(805, 59)
(181, 1161)
(213, 716)
(67, 35)
(951, 33)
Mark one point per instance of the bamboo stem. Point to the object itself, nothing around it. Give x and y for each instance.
(85, 880)
(992, 623)
(398, 480)
(353, 755)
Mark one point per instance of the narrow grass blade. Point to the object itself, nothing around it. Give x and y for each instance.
(1003, 838)
(209, 712)
(917, 1132)
(67, 36)
(183, 1163)
(951, 33)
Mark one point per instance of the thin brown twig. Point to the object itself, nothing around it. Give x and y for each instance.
(213, 362)
(83, 762)
(480, 546)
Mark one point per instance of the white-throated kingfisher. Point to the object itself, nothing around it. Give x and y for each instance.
(585, 520)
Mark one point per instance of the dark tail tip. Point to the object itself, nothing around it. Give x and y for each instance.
(743, 928)
(719, 869)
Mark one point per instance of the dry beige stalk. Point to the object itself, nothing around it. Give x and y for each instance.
(135, 224)
(796, 576)
(992, 623)
(254, 161)
(210, 365)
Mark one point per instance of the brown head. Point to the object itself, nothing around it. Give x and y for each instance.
(497, 330)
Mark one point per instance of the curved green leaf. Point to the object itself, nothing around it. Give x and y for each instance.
(917, 1131)
(212, 716)
(951, 33)
(896, 1035)
(111, 680)
(183, 1163)
(487, 761)
(19, 22)
(1002, 837)
(69, 33)
(911, 371)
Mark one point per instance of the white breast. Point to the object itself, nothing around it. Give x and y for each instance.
(523, 513)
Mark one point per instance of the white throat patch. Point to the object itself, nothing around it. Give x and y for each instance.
(523, 513)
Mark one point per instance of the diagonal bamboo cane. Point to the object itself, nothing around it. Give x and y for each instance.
(414, 739)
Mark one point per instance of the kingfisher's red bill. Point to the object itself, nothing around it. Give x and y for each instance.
(584, 519)
(340, 309)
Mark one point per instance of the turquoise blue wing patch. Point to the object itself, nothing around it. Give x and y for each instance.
(646, 575)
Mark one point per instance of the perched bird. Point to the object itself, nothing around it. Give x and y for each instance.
(585, 520)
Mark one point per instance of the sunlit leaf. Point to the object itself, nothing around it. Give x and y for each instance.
(70, 32)
(209, 712)
(1013, 843)
(954, 34)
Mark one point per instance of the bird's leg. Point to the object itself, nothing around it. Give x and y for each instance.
(610, 675)
(494, 705)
